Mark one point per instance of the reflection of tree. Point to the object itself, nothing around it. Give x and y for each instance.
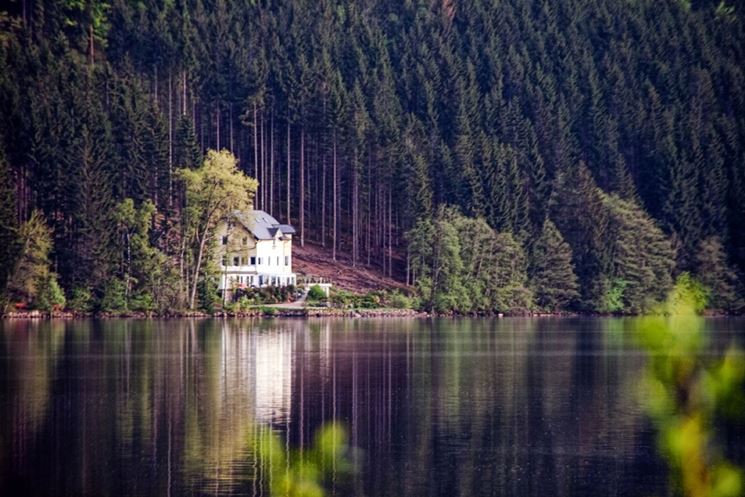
(446, 406)
(30, 351)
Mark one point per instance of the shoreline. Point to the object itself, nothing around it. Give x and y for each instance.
(269, 312)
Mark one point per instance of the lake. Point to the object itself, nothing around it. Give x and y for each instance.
(445, 407)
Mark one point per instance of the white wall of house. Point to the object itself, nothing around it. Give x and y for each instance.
(245, 261)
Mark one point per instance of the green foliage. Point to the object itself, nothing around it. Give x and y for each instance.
(552, 277)
(715, 273)
(316, 294)
(32, 275)
(213, 191)
(303, 473)
(399, 300)
(688, 392)
(104, 101)
(689, 291)
(613, 296)
(640, 255)
(114, 297)
(460, 264)
(81, 300)
(8, 223)
(50, 295)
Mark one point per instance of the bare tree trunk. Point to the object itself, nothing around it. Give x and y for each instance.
(230, 127)
(170, 140)
(265, 186)
(302, 185)
(289, 172)
(323, 199)
(391, 219)
(335, 187)
(218, 126)
(90, 37)
(198, 267)
(355, 212)
(257, 200)
(183, 97)
(271, 161)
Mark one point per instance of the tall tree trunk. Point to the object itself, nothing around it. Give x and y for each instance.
(355, 211)
(302, 185)
(183, 96)
(230, 127)
(271, 161)
(257, 200)
(170, 141)
(218, 126)
(289, 171)
(390, 232)
(323, 198)
(262, 142)
(335, 188)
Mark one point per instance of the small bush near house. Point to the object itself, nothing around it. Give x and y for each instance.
(398, 300)
(316, 294)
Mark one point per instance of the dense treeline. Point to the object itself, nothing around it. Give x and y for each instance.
(611, 131)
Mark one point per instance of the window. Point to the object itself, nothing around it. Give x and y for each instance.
(225, 240)
(243, 261)
(245, 240)
(268, 261)
(259, 261)
(253, 261)
(236, 261)
(224, 260)
(277, 260)
(287, 260)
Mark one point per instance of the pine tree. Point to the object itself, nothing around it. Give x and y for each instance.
(551, 273)
(8, 223)
(713, 270)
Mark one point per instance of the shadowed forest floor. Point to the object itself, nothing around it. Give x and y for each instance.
(315, 260)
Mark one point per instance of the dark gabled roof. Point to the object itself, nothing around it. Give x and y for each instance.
(262, 225)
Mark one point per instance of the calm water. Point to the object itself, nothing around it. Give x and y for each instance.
(522, 407)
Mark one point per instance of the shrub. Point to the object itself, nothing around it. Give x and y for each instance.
(50, 294)
(143, 302)
(398, 300)
(269, 311)
(114, 297)
(316, 293)
(81, 300)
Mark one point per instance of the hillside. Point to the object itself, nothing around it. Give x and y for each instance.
(577, 125)
(316, 261)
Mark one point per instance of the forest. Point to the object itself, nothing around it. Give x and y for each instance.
(496, 155)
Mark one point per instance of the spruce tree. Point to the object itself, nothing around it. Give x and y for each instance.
(713, 270)
(8, 223)
(552, 276)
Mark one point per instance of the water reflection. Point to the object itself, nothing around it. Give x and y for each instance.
(443, 407)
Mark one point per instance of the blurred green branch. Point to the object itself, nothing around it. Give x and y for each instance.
(686, 394)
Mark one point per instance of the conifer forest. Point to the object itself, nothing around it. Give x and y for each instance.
(494, 155)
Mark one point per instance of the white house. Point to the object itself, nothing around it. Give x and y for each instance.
(254, 250)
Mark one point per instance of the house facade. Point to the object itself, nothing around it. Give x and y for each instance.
(254, 250)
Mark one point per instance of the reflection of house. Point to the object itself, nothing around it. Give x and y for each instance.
(273, 376)
(254, 250)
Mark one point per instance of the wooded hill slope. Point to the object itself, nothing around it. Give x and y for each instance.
(359, 118)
